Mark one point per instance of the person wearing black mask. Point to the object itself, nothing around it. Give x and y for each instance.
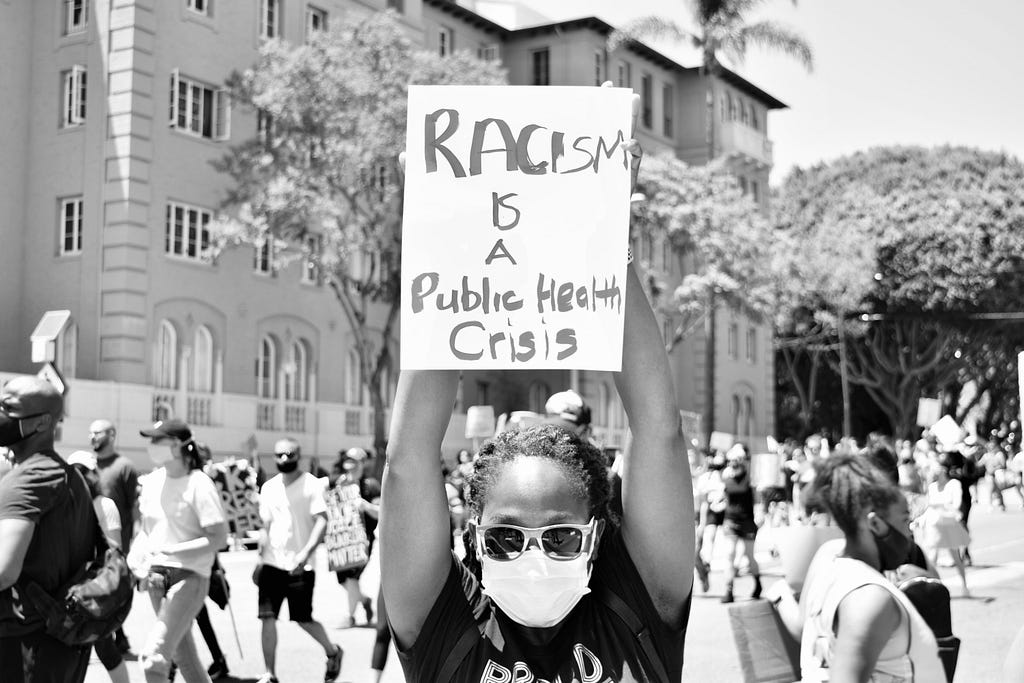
(47, 533)
(294, 515)
(859, 625)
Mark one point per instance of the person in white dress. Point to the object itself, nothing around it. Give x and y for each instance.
(939, 528)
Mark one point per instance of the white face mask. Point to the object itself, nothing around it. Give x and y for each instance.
(535, 590)
(160, 454)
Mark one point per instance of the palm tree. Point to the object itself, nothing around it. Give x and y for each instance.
(721, 28)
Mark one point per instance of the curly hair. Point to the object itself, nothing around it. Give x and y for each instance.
(849, 486)
(584, 465)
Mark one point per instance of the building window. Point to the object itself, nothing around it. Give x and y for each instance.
(489, 52)
(755, 191)
(744, 113)
(736, 414)
(732, 107)
(751, 344)
(266, 368)
(353, 379)
(541, 60)
(198, 6)
(186, 232)
(199, 109)
(446, 41)
(71, 225)
(166, 356)
(754, 122)
(270, 18)
(202, 361)
(265, 128)
(598, 67)
(397, 5)
(723, 108)
(668, 103)
(743, 184)
(297, 373)
(263, 259)
(734, 342)
(666, 255)
(316, 21)
(625, 75)
(647, 98)
(67, 350)
(750, 424)
(311, 264)
(73, 97)
(76, 16)
(539, 394)
(483, 393)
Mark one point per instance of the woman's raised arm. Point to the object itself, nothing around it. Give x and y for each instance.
(415, 555)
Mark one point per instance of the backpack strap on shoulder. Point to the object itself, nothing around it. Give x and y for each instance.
(639, 630)
(458, 653)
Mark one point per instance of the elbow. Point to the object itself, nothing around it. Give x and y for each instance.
(8, 577)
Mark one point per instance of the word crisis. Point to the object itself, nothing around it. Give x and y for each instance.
(562, 154)
(551, 296)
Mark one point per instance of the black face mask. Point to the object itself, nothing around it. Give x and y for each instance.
(893, 548)
(10, 430)
(287, 466)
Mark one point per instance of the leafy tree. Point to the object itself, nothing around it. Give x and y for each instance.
(706, 216)
(946, 229)
(320, 181)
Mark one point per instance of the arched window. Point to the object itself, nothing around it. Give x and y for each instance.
(202, 360)
(353, 379)
(266, 368)
(165, 371)
(539, 395)
(748, 411)
(67, 349)
(296, 379)
(736, 414)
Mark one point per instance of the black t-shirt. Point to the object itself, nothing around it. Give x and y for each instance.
(739, 506)
(57, 502)
(119, 481)
(592, 644)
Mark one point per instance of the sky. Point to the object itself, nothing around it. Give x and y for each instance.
(909, 72)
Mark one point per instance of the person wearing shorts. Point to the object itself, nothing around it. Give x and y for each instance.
(294, 515)
(740, 526)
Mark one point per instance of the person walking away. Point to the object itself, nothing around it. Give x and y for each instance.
(858, 625)
(740, 525)
(353, 473)
(119, 481)
(993, 461)
(47, 533)
(110, 523)
(711, 500)
(182, 528)
(294, 515)
(940, 527)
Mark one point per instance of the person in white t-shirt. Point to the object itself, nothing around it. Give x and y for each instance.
(183, 527)
(294, 515)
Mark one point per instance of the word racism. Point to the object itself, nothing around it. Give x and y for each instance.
(471, 340)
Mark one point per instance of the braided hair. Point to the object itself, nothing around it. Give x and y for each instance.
(584, 465)
(849, 486)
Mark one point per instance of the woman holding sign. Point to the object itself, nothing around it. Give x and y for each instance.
(554, 588)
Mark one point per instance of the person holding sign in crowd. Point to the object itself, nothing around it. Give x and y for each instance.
(294, 516)
(554, 587)
(359, 494)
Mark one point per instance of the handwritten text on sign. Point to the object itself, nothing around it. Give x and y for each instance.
(347, 544)
(515, 227)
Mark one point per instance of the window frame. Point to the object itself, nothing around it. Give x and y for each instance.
(598, 67)
(201, 373)
(74, 93)
(540, 66)
(76, 203)
(192, 121)
(312, 13)
(263, 258)
(445, 41)
(70, 26)
(625, 74)
(489, 52)
(165, 356)
(668, 106)
(270, 19)
(194, 6)
(647, 100)
(733, 341)
(751, 344)
(266, 361)
(192, 237)
(312, 274)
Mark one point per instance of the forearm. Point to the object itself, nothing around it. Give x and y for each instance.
(315, 536)
(213, 537)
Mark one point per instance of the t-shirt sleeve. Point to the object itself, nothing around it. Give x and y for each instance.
(206, 501)
(29, 492)
(317, 502)
(449, 618)
(111, 515)
(129, 484)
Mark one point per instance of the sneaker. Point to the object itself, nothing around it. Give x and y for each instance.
(368, 608)
(172, 673)
(757, 589)
(727, 598)
(219, 669)
(334, 664)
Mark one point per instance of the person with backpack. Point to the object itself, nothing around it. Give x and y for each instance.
(182, 528)
(48, 533)
(555, 588)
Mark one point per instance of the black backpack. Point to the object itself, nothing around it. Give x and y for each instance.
(97, 599)
(931, 599)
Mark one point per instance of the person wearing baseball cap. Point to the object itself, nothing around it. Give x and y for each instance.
(567, 410)
(182, 528)
(365, 489)
(47, 533)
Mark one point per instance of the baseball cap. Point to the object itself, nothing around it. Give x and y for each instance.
(163, 429)
(357, 454)
(566, 409)
(84, 458)
(26, 396)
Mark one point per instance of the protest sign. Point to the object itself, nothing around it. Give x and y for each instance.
(948, 432)
(347, 544)
(236, 483)
(721, 441)
(515, 227)
(480, 422)
(766, 470)
(929, 410)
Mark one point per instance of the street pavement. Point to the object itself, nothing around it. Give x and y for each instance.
(986, 623)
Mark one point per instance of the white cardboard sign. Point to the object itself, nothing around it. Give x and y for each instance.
(516, 226)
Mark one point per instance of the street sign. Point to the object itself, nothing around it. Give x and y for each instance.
(51, 374)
